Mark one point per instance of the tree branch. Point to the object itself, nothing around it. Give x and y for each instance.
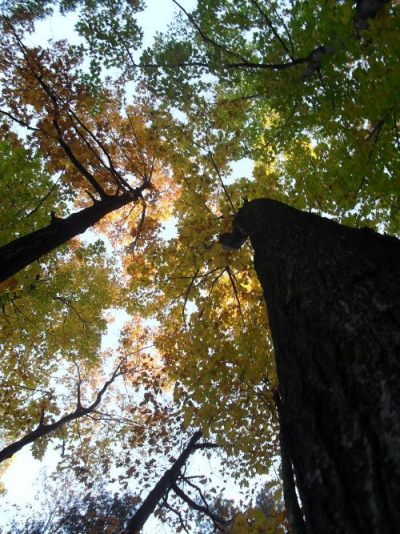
(44, 429)
(272, 28)
(218, 521)
(161, 488)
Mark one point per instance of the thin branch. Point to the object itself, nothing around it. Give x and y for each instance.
(243, 63)
(19, 121)
(41, 420)
(123, 41)
(65, 301)
(271, 27)
(44, 429)
(77, 164)
(176, 512)
(117, 175)
(42, 200)
(53, 98)
(195, 487)
(78, 388)
(211, 158)
(288, 119)
(216, 280)
(140, 148)
(207, 445)
(284, 26)
(241, 98)
(376, 130)
(132, 246)
(217, 521)
(206, 38)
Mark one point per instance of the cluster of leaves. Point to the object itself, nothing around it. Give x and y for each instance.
(323, 129)
(296, 87)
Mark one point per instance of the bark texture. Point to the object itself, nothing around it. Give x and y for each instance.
(23, 251)
(333, 298)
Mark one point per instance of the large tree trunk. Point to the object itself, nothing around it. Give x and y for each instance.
(333, 298)
(23, 251)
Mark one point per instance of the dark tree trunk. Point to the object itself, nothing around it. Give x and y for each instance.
(367, 9)
(23, 251)
(333, 298)
(160, 490)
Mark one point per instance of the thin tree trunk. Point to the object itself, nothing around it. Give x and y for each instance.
(161, 488)
(23, 251)
(333, 298)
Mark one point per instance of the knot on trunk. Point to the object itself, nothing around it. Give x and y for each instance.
(233, 240)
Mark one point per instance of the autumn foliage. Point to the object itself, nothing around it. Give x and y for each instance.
(235, 101)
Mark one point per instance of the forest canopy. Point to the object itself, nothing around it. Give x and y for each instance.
(130, 337)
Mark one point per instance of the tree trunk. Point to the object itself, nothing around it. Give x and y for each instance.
(160, 490)
(25, 250)
(367, 9)
(333, 298)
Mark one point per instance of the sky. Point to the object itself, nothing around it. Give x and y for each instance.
(20, 479)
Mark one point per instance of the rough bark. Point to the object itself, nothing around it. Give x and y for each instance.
(23, 251)
(160, 490)
(333, 298)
